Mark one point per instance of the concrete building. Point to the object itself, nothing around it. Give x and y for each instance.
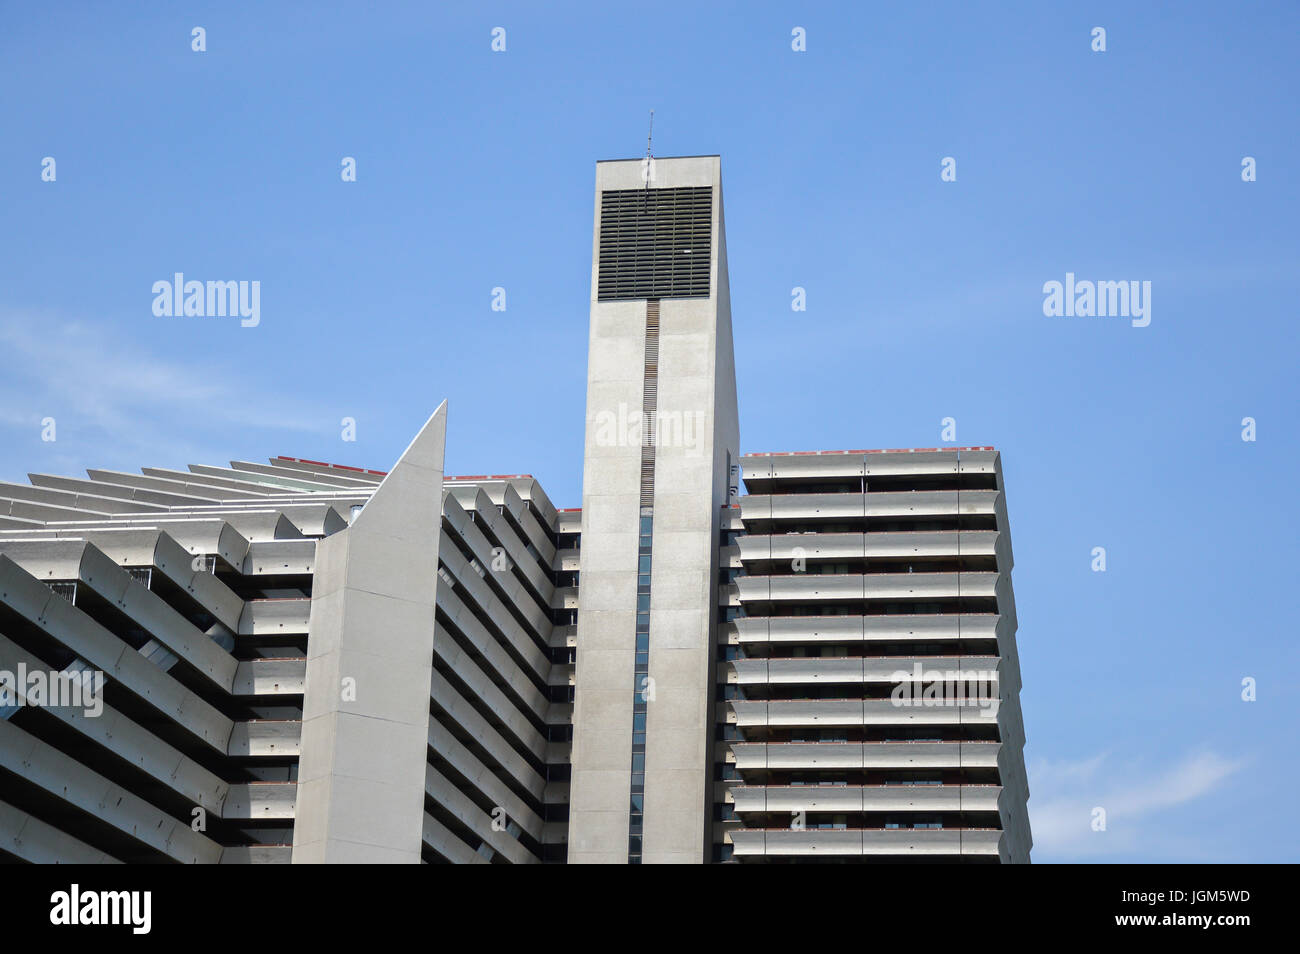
(870, 678)
(659, 354)
(306, 662)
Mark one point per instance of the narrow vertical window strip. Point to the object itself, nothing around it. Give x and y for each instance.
(644, 557)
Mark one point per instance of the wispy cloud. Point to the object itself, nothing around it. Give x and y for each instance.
(112, 397)
(1065, 795)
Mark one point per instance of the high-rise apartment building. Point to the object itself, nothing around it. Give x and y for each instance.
(870, 679)
(785, 657)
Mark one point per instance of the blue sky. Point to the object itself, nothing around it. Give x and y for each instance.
(475, 169)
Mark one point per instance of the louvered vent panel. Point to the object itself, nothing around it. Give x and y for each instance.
(647, 477)
(655, 243)
(650, 402)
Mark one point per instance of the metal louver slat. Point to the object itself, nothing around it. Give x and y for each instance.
(650, 402)
(655, 243)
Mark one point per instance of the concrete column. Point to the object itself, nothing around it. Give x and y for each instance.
(369, 660)
(697, 429)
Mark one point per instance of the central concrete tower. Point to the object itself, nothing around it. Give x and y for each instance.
(662, 439)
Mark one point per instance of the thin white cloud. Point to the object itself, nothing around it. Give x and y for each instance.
(118, 398)
(1065, 794)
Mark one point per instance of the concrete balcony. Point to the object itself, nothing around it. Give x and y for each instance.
(36, 842)
(566, 635)
(564, 597)
(73, 786)
(280, 557)
(30, 600)
(266, 738)
(840, 629)
(820, 670)
(830, 587)
(866, 798)
(469, 513)
(270, 677)
(117, 592)
(832, 712)
(917, 503)
(869, 463)
(54, 558)
(274, 617)
(260, 800)
(866, 841)
(850, 546)
(864, 755)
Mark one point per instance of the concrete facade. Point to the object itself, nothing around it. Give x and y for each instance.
(316, 663)
(871, 676)
(365, 719)
(692, 432)
(312, 663)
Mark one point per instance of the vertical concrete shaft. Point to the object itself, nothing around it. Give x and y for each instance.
(696, 431)
(369, 660)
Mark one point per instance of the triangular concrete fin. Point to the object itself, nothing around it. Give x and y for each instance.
(422, 459)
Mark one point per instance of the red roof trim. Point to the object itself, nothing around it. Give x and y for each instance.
(886, 450)
(321, 463)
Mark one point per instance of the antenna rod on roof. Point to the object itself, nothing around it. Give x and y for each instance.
(647, 172)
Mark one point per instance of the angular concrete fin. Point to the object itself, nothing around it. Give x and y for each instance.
(361, 774)
(421, 462)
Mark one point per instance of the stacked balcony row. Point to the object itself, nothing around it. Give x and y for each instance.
(191, 592)
(857, 581)
(201, 705)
